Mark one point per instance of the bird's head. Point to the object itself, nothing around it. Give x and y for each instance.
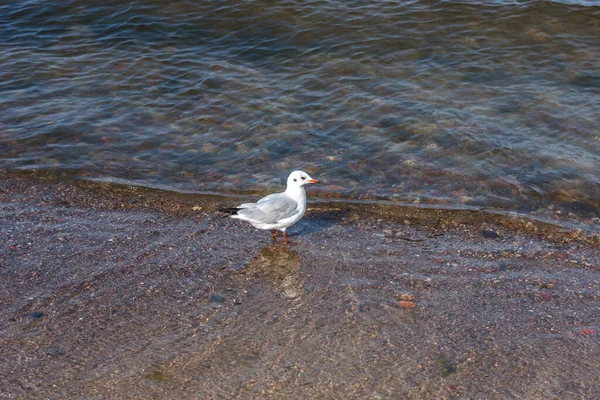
(300, 178)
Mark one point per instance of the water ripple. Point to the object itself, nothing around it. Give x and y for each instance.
(483, 104)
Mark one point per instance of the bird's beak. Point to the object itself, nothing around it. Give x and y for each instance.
(312, 181)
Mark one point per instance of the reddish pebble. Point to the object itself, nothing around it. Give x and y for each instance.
(588, 331)
(407, 304)
(546, 296)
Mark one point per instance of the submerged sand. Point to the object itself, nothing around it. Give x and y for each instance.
(111, 292)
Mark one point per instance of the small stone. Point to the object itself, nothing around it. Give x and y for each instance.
(208, 148)
(588, 331)
(216, 298)
(368, 130)
(407, 304)
(546, 296)
(489, 234)
(54, 351)
(404, 296)
(35, 314)
(465, 199)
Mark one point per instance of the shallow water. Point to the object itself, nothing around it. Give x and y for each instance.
(489, 104)
(109, 294)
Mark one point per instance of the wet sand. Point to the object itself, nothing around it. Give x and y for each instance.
(111, 292)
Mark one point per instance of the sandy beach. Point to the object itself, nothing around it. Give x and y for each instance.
(114, 292)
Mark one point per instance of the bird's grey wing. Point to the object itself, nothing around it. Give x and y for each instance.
(261, 201)
(270, 209)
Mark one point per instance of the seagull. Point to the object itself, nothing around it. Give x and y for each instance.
(277, 211)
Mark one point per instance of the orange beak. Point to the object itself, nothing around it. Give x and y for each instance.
(312, 181)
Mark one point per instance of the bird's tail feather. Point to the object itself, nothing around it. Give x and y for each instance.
(229, 211)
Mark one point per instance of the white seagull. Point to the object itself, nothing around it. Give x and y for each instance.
(277, 211)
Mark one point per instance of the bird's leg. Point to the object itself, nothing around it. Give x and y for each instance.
(275, 234)
(285, 237)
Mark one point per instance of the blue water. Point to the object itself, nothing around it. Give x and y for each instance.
(481, 104)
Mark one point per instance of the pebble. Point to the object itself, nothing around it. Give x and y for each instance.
(407, 304)
(546, 296)
(216, 298)
(54, 351)
(404, 296)
(489, 234)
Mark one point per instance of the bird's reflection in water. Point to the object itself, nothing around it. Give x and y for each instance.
(280, 266)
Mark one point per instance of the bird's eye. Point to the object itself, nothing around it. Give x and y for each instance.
(303, 177)
(295, 180)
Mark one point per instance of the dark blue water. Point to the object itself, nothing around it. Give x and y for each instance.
(483, 104)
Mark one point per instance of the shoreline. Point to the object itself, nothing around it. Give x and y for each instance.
(117, 292)
(188, 204)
